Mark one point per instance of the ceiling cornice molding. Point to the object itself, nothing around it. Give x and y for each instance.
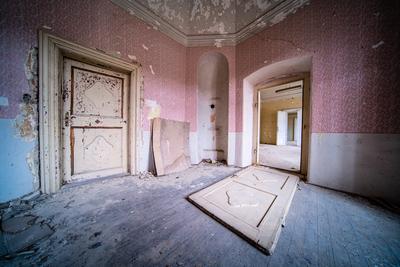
(271, 17)
(138, 10)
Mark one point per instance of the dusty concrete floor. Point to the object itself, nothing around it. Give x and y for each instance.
(131, 222)
(281, 157)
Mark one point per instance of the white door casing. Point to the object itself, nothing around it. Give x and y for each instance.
(52, 51)
(95, 117)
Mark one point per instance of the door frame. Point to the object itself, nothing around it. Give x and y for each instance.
(52, 50)
(306, 107)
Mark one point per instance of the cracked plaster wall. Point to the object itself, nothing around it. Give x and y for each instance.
(94, 24)
(355, 66)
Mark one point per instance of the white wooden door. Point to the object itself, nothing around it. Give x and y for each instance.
(282, 123)
(95, 116)
(253, 201)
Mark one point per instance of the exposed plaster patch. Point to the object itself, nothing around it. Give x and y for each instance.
(198, 17)
(165, 10)
(145, 47)
(278, 18)
(281, 16)
(217, 28)
(151, 69)
(115, 54)
(262, 24)
(32, 160)
(375, 46)
(226, 3)
(26, 121)
(31, 70)
(132, 57)
(199, 10)
(260, 4)
(218, 43)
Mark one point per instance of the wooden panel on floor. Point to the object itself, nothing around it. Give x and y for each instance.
(170, 146)
(253, 202)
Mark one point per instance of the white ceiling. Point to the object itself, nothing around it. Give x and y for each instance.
(209, 22)
(285, 91)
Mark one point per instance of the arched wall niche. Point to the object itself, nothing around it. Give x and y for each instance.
(212, 106)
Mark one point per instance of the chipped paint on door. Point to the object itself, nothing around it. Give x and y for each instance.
(253, 202)
(95, 119)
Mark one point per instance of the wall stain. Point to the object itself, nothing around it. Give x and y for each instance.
(32, 160)
(26, 122)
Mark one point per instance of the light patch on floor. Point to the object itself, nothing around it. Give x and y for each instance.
(281, 157)
(254, 202)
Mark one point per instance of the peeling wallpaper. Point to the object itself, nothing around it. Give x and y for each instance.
(354, 84)
(175, 12)
(355, 63)
(94, 24)
(201, 17)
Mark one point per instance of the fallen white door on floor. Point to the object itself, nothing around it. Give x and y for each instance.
(253, 202)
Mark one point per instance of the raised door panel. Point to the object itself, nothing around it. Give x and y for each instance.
(96, 149)
(96, 94)
(95, 129)
(253, 202)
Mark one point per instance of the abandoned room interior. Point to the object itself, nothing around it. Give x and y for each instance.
(199, 133)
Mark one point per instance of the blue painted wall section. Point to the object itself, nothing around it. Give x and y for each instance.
(16, 178)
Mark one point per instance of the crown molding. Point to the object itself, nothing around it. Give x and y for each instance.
(136, 9)
(271, 17)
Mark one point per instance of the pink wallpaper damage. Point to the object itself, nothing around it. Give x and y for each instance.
(96, 24)
(355, 63)
(354, 73)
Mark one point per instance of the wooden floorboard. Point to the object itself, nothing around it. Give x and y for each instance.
(152, 224)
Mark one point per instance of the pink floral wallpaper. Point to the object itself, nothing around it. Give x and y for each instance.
(355, 53)
(354, 46)
(97, 24)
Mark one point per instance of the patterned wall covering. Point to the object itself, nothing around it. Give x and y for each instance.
(355, 65)
(96, 24)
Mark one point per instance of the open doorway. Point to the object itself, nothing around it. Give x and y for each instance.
(280, 125)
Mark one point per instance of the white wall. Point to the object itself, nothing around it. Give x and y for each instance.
(365, 164)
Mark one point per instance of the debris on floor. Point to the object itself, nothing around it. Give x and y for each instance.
(127, 221)
(213, 162)
(21, 231)
(145, 175)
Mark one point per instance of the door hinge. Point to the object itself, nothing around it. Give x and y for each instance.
(255, 105)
